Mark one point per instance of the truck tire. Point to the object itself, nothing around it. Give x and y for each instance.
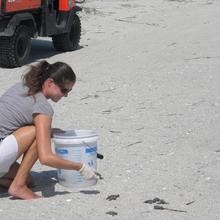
(15, 50)
(69, 41)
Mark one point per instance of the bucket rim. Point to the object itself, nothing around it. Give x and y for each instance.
(75, 134)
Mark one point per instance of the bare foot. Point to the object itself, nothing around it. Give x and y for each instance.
(22, 192)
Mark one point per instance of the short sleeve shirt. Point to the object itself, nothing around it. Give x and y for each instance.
(17, 108)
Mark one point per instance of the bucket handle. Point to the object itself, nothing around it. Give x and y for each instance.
(86, 144)
(100, 156)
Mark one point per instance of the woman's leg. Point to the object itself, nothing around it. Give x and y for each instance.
(19, 188)
(25, 137)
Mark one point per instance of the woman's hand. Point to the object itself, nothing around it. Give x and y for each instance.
(88, 172)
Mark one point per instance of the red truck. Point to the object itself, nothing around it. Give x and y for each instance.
(21, 20)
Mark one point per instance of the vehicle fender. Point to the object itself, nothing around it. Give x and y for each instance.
(17, 19)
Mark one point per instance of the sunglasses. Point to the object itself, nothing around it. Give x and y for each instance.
(64, 90)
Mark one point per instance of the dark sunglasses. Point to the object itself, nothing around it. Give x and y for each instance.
(64, 90)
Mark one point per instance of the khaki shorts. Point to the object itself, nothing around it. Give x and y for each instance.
(8, 153)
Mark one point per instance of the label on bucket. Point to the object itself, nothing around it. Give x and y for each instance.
(61, 151)
(90, 154)
(91, 150)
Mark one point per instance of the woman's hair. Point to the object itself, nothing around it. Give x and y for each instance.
(60, 72)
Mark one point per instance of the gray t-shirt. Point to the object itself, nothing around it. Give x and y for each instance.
(17, 109)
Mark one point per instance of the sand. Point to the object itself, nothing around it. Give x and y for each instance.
(148, 84)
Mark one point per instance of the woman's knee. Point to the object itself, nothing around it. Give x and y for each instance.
(25, 131)
(25, 137)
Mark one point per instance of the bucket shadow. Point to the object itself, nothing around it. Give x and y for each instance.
(44, 182)
(90, 192)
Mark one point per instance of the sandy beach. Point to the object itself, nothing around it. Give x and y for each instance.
(148, 83)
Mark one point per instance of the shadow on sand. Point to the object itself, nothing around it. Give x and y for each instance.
(44, 182)
(41, 49)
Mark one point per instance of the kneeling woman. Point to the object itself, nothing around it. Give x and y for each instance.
(25, 126)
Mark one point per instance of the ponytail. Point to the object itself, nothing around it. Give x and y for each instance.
(37, 75)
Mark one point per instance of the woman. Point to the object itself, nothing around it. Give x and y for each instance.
(25, 126)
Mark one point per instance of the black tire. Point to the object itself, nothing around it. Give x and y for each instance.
(69, 41)
(15, 50)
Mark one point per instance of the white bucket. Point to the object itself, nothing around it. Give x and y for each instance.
(78, 146)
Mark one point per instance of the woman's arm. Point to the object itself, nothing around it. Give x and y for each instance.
(43, 137)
